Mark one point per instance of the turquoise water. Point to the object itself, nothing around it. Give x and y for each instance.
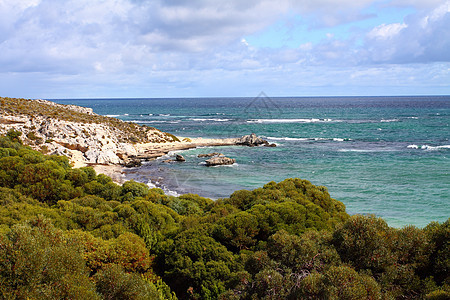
(388, 156)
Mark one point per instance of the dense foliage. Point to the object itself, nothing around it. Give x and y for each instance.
(72, 234)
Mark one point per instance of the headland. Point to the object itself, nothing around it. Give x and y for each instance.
(88, 139)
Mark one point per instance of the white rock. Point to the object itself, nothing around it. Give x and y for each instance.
(108, 157)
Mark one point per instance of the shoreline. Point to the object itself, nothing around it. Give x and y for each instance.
(152, 151)
(107, 144)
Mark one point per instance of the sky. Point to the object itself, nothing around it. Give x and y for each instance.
(55, 49)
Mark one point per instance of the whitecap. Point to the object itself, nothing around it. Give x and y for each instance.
(312, 120)
(356, 150)
(286, 139)
(112, 116)
(154, 121)
(389, 120)
(308, 139)
(367, 150)
(225, 166)
(428, 147)
(214, 120)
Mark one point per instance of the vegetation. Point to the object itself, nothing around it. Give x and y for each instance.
(73, 234)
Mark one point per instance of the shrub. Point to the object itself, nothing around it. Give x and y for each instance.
(114, 283)
(364, 242)
(38, 262)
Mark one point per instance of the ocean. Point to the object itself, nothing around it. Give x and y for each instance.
(388, 156)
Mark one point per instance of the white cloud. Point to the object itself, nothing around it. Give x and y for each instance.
(424, 37)
(384, 31)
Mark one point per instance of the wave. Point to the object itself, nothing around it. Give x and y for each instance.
(168, 192)
(312, 120)
(208, 119)
(367, 150)
(428, 147)
(389, 120)
(112, 116)
(308, 139)
(154, 121)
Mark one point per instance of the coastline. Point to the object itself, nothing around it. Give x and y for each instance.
(152, 151)
(107, 144)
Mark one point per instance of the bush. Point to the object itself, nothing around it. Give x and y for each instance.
(365, 243)
(38, 262)
(114, 283)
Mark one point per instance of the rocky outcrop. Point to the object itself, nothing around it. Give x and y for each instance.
(219, 161)
(252, 140)
(90, 139)
(210, 154)
(77, 132)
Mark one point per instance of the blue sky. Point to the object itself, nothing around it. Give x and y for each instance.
(198, 48)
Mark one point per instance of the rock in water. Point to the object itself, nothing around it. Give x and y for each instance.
(180, 158)
(220, 161)
(210, 154)
(252, 140)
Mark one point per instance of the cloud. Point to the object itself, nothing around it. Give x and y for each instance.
(423, 38)
(181, 45)
(422, 4)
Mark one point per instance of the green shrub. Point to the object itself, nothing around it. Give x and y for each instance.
(38, 262)
(114, 283)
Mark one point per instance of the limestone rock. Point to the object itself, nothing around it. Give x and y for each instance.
(108, 157)
(252, 140)
(220, 161)
(210, 154)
